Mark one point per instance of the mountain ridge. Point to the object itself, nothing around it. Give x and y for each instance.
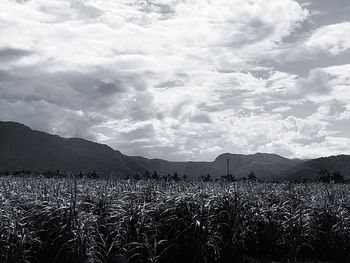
(23, 148)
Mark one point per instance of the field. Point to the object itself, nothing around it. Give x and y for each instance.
(87, 220)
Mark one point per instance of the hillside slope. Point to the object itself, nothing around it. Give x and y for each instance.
(311, 168)
(264, 165)
(24, 148)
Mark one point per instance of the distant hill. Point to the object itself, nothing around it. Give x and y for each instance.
(264, 165)
(22, 148)
(311, 168)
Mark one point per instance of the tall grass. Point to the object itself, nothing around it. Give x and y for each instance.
(81, 220)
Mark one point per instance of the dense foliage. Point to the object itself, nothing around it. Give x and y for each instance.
(87, 220)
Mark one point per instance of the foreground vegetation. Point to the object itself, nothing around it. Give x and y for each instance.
(88, 220)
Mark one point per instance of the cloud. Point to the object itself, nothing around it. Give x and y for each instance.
(171, 79)
(282, 109)
(333, 39)
(316, 82)
(200, 117)
(8, 54)
(325, 44)
(143, 132)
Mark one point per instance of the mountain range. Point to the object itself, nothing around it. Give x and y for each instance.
(22, 148)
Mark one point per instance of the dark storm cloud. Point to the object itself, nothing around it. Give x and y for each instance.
(8, 54)
(75, 90)
(94, 88)
(69, 103)
(110, 87)
(200, 117)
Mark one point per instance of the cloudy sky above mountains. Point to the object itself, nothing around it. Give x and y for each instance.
(181, 79)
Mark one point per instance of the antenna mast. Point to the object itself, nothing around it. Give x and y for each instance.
(228, 166)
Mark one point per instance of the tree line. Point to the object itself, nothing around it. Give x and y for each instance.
(324, 176)
(52, 174)
(177, 177)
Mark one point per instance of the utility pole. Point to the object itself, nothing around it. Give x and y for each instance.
(228, 166)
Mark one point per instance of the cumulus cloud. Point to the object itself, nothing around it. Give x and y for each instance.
(181, 80)
(332, 39)
(282, 109)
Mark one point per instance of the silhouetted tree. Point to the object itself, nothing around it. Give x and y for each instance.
(136, 176)
(175, 177)
(155, 176)
(337, 177)
(93, 175)
(228, 178)
(326, 176)
(252, 176)
(206, 178)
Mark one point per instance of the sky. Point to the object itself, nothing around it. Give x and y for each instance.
(181, 79)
